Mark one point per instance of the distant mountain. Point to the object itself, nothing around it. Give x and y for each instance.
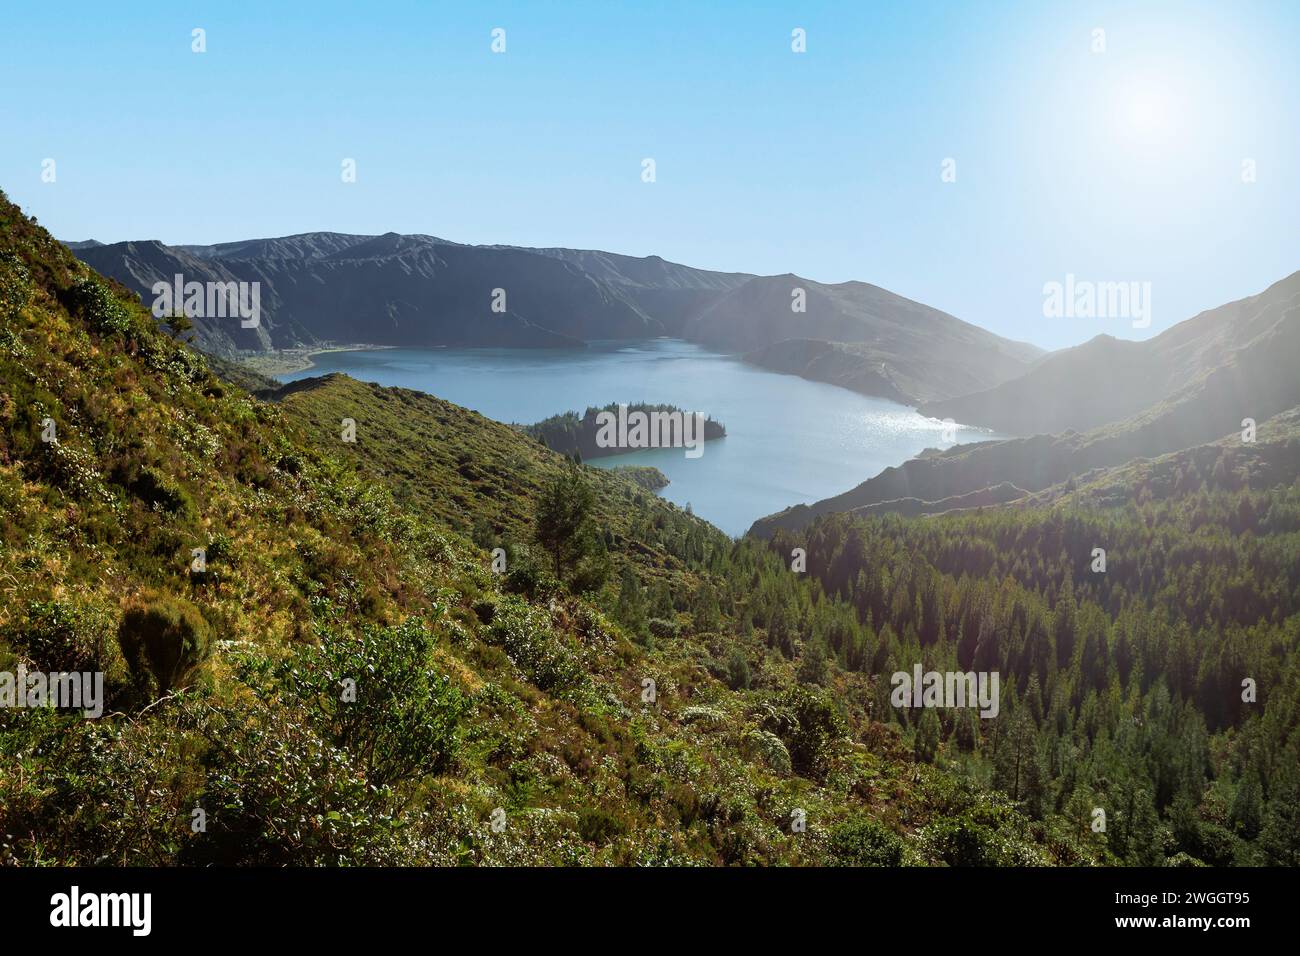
(416, 554)
(859, 367)
(138, 265)
(1239, 363)
(859, 336)
(423, 291)
(420, 291)
(84, 244)
(666, 292)
(1106, 379)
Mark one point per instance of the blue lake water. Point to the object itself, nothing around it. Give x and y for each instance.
(789, 441)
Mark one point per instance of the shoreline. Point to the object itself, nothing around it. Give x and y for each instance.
(283, 364)
(287, 361)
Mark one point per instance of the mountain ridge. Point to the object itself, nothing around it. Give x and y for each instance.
(1106, 379)
(1236, 371)
(423, 291)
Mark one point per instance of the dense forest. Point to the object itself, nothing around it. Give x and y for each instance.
(1163, 690)
(442, 643)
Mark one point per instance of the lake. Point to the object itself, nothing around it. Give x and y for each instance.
(789, 440)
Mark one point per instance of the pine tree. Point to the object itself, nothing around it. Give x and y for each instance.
(563, 523)
(1280, 837)
(925, 746)
(630, 610)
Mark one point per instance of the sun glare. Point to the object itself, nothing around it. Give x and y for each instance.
(1147, 111)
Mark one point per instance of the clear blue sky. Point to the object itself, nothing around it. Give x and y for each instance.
(1115, 166)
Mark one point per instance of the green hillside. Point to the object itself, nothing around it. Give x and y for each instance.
(329, 562)
(355, 678)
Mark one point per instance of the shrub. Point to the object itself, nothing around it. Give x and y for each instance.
(660, 627)
(529, 577)
(810, 726)
(738, 674)
(155, 488)
(709, 716)
(542, 656)
(15, 285)
(165, 642)
(766, 746)
(403, 719)
(961, 843)
(865, 842)
(599, 825)
(981, 836)
(99, 307)
(279, 795)
(63, 636)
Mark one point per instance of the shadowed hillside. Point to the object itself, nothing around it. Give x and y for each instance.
(421, 291)
(862, 337)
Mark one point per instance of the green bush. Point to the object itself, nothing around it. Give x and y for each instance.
(99, 307)
(981, 836)
(376, 696)
(277, 794)
(529, 577)
(738, 674)
(15, 285)
(766, 746)
(165, 642)
(155, 488)
(599, 825)
(66, 636)
(865, 842)
(961, 843)
(808, 724)
(661, 627)
(543, 657)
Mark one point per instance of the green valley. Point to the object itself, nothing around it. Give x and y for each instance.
(426, 638)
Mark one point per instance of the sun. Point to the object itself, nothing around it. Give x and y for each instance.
(1147, 110)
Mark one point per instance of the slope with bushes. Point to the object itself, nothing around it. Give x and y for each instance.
(443, 643)
(310, 658)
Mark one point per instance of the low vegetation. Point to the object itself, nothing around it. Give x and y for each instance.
(443, 643)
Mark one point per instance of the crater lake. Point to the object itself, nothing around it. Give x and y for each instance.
(789, 440)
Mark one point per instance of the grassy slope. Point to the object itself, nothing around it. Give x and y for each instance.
(327, 560)
(465, 471)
